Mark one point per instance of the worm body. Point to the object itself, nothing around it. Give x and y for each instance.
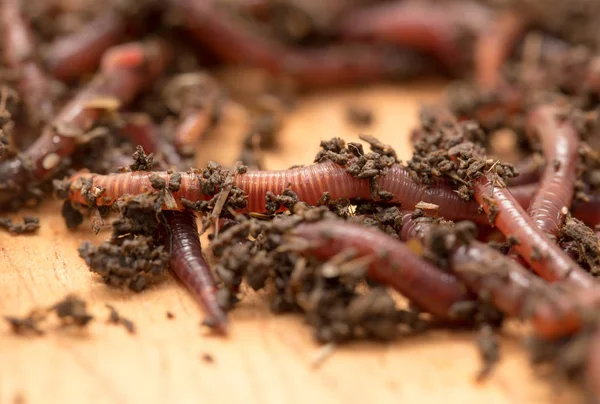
(190, 267)
(592, 371)
(494, 46)
(431, 29)
(517, 292)
(70, 57)
(509, 286)
(118, 79)
(141, 130)
(560, 143)
(20, 55)
(314, 67)
(545, 257)
(309, 183)
(393, 263)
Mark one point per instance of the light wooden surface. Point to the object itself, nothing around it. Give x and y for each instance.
(267, 358)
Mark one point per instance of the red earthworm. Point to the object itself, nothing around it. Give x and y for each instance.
(494, 47)
(510, 287)
(560, 144)
(592, 368)
(298, 20)
(308, 182)
(434, 29)
(236, 44)
(20, 55)
(553, 313)
(125, 70)
(189, 265)
(141, 130)
(190, 130)
(588, 211)
(393, 263)
(195, 98)
(544, 257)
(530, 170)
(76, 54)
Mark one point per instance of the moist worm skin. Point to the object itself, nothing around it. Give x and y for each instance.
(510, 287)
(560, 144)
(72, 56)
(309, 183)
(545, 257)
(189, 265)
(592, 371)
(393, 263)
(316, 67)
(125, 70)
(19, 50)
(431, 29)
(517, 292)
(530, 170)
(494, 46)
(141, 130)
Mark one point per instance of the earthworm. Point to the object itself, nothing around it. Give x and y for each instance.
(517, 292)
(545, 257)
(189, 265)
(433, 29)
(190, 130)
(560, 144)
(19, 50)
(195, 98)
(494, 46)
(309, 67)
(393, 263)
(530, 170)
(76, 54)
(124, 71)
(588, 211)
(298, 20)
(308, 182)
(141, 130)
(592, 368)
(509, 286)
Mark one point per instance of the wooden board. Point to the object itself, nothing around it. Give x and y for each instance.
(267, 358)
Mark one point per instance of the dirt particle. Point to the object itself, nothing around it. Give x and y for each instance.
(72, 310)
(359, 115)
(489, 351)
(30, 225)
(115, 318)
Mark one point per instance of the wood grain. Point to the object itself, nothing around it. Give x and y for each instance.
(267, 358)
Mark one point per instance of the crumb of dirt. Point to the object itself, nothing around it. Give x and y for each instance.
(454, 151)
(329, 294)
(141, 160)
(586, 243)
(568, 355)
(358, 163)
(219, 182)
(29, 324)
(30, 224)
(72, 310)
(208, 358)
(135, 255)
(115, 318)
(73, 217)
(489, 351)
(359, 115)
(388, 220)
